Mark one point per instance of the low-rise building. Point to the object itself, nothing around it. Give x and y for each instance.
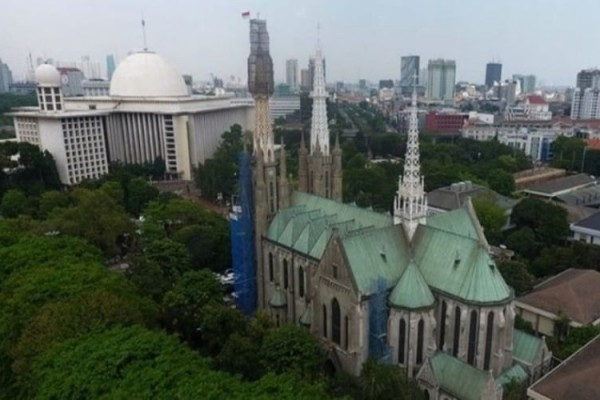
(560, 187)
(445, 122)
(573, 294)
(575, 378)
(587, 230)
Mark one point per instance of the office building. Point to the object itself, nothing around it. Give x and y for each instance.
(409, 71)
(441, 79)
(586, 97)
(148, 114)
(386, 84)
(95, 87)
(110, 66)
(6, 78)
(291, 73)
(493, 73)
(305, 81)
(527, 83)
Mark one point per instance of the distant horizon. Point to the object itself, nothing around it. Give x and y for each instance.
(360, 40)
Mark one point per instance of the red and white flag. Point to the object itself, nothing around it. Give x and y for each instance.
(246, 14)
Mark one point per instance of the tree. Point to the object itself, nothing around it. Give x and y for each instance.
(241, 355)
(94, 217)
(548, 221)
(523, 242)
(13, 203)
(52, 199)
(115, 190)
(381, 382)
(516, 275)
(287, 387)
(148, 277)
(292, 349)
(129, 362)
(216, 325)
(67, 318)
(172, 257)
(184, 303)
(501, 181)
(490, 215)
(139, 194)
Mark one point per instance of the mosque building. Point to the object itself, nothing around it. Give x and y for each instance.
(148, 114)
(415, 290)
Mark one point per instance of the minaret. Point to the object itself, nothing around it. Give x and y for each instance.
(410, 204)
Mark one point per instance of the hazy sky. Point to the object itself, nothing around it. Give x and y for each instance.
(552, 39)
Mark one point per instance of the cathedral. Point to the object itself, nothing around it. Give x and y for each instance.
(446, 314)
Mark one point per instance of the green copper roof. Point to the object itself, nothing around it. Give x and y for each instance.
(454, 257)
(526, 347)
(305, 318)
(376, 253)
(308, 224)
(458, 378)
(278, 299)
(411, 291)
(516, 372)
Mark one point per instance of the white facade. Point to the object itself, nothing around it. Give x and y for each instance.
(85, 134)
(441, 79)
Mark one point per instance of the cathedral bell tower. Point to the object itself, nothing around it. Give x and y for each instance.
(320, 172)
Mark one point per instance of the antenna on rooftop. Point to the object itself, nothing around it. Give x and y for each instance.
(144, 32)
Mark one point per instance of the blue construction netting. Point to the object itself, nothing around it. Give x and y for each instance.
(242, 240)
(378, 316)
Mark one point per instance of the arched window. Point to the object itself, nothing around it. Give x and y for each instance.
(301, 281)
(272, 196)
(443, 325)
(420, 339)
(346, 333)
(401, 341)
(456, 343)
(277, 320)
(426, 393)
(335, 322)
(489, 336)
(285, 273)
(271, 268)
(324, 320)
(472, 338)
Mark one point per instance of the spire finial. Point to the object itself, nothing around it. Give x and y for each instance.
(144, 32)
(318, 37)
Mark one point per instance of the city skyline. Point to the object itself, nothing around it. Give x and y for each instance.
(434, 30)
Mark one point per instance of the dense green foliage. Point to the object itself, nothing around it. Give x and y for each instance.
(219, 173)
(8, 101)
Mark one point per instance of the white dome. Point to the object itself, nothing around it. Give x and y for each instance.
(147, 74)
(47, 75)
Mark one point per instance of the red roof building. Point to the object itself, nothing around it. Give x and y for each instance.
(445, 123)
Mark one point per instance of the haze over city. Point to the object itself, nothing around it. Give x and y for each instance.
(362, 39)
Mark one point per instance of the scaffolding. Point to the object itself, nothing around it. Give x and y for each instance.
(378, 316)
(242, 240)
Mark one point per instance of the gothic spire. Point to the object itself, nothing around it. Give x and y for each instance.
(410, 205)
(319, 130)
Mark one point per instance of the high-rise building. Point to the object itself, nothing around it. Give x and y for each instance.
(441, 79)
(527, 82)
(71, 80)
(110, 66)
(493, 73)
(291, 73)
(585, 78)
(305, 81)
(362, 84)
(6, 78)
(586, 97)
(409, 71)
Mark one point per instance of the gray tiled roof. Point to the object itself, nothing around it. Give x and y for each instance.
(554, 187)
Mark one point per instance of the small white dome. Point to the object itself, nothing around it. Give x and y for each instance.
(146, 74)
(47, 75)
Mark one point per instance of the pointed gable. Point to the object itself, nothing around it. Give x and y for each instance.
(454, 258)
(411, 291)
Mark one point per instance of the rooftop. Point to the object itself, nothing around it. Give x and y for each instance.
(574, 378)
(535, 99)
(586, 196)
(454, 196)
(574, 292)
(559, 186)
(591, 222)
(459, 378)
(526, 347)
